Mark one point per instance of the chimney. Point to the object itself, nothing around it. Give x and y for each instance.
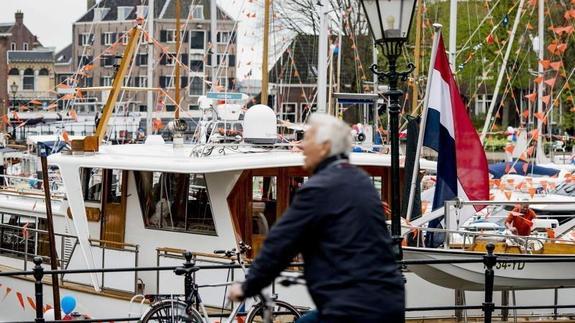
(19, 15)
(91, 3)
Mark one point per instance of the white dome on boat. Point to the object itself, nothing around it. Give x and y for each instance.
(260, 125)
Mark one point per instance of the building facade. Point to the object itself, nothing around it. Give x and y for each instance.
(101, 34)
(14, 36)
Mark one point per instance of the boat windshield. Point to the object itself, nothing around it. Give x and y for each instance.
(564, 189)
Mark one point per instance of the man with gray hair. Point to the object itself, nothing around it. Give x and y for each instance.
(336, 222)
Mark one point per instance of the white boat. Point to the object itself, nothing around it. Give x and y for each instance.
(508, 276)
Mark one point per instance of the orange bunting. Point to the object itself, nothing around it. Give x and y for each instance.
(545, 63)
(538, 79)
(532, 192)
(546, 99)
(508, 195)
(5, 119)
(526, 112)
(561, 48)
(531, 97)
(509, 149)
(88, 67)
(551, 82)
(535, 134)
(20, 299)
(530, 152)
(540, 116)
(31, 302)
(556, 65)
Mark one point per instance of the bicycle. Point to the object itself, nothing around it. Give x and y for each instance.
(170, 309)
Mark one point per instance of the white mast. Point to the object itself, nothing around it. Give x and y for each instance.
(213, 38)
(322, 60)
(150, 69)
(502, 70)
(452, 34)
(540, 154)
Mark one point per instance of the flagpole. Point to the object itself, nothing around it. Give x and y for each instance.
(424, 108)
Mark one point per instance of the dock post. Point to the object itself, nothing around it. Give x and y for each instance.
(459, 300)
(39, 294)
(489, 260)
(505, 302)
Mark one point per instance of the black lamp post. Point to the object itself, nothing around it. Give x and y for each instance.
(389, 22)
(14, 90)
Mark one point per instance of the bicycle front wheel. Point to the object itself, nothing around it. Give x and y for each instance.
(282, 313)
(172, 311)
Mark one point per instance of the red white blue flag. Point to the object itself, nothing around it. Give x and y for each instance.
(462, 169)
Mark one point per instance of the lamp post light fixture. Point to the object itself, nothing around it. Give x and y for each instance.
(390, 22)
(13, 90)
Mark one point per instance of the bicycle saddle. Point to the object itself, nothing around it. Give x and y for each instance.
(185, 270)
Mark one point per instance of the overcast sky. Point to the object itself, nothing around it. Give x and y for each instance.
(51, 21)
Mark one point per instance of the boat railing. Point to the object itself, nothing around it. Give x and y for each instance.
(111, 253)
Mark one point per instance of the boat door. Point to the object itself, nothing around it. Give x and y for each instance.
(114, 200)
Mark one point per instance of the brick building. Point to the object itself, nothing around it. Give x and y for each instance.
(14, 36)
(99, 35)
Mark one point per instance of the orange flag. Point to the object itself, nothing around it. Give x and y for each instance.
(531, 97)
(508, 195)
(535, 134)
(538, 79)
(546, 99)
(509, 149)
(31, 302)
(73, 115)
(561, 48)
(551, 82)
(556, 65)
(65, 136)
(545, 63)
(20, 299)
(540, 116)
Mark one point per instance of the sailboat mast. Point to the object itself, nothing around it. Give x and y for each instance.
(322, 59)
(540, 71)
(213, 40)
(265, 54)
(452, 33)
(417, 57)
(177, 74)
(150, 68)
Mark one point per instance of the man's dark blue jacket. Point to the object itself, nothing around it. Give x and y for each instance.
(336, 222)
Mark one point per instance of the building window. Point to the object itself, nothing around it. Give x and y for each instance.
(197, 40)
(14, 71)
(142, 11)
(86, 39)
(142, 60)
(13, 46)
(482, 103)
(44, 72)
(170, 59)
(107, 61)
(196, 86)
(123, 12)
(170, 108)
(108, 39)
(194, 107)
(88, 81)
(28, 82)
(170, 36)
(125, 38)
(197, 63)
(140, 81)
(289, 112)
(166, 82)
(25, 46)
(126, 81)
(198, 12)
(100, 13)
(175, 202)
(106, 81)
(223, 37)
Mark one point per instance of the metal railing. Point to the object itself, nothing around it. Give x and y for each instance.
(488, 307)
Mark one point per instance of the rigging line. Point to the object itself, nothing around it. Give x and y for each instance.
(487, 16)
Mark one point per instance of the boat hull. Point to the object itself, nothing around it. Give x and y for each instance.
(508, 276)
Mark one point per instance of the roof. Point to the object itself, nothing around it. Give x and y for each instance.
(165, 158)
(304, 52)
(36, 56)
(65, 55)
(159, 12)
(5, 27)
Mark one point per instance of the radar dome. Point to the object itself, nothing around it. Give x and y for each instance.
(260, 125)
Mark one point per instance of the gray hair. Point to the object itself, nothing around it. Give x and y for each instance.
(333, 130)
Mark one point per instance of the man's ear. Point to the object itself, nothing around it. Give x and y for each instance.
(326, 148)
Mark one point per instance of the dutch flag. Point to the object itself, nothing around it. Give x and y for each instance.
(461, 166)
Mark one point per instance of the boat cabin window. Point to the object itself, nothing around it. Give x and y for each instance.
(19, 238)
(261, 196)
(175, 202)
(91, 184)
